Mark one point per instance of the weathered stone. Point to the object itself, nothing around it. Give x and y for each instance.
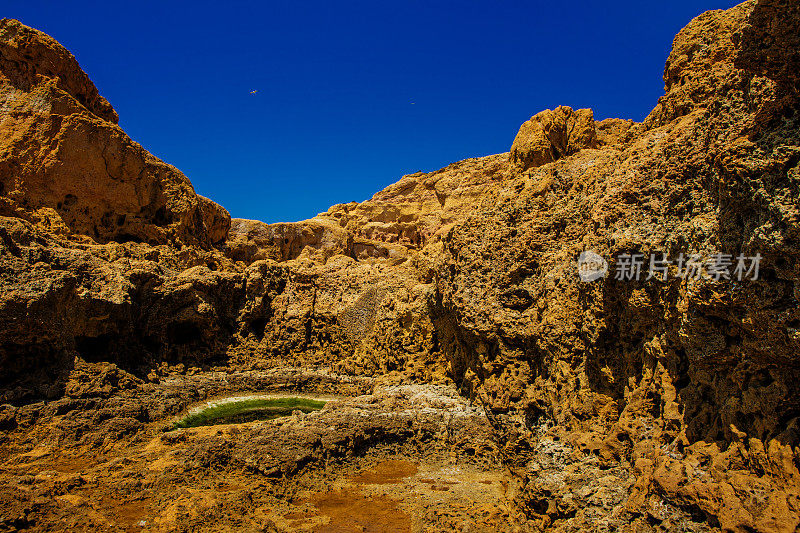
(649, 405)
(64, 162)
(551, 135)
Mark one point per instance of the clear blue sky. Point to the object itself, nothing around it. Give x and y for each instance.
(333, 119)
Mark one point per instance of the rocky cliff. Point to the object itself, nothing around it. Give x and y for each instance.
(689, 383)
(663, 403)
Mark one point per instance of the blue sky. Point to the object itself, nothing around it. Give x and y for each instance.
(352, 95)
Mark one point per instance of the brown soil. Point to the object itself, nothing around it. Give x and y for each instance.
(391, 471)
(352, 511)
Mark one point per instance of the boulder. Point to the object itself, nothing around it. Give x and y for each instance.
(551, 135)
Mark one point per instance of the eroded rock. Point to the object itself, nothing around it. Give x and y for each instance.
(644, 405)
(551, 135)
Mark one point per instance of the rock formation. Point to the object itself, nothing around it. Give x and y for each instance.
(553, 134)
(650, 404)
(64, 161)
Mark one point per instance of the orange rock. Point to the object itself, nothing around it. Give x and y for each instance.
(551, 135)
(60, 148)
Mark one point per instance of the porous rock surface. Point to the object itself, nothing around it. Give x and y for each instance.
(611, 405)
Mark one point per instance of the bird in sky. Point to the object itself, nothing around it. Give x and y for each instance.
(254, 91)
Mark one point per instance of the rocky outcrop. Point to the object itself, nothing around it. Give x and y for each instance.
(421, 207)
(29, 57)
(65, 164)
(250, 240)
(551, 135)
(769, 43)
(317, 239)
(687, 383)
(216, 220)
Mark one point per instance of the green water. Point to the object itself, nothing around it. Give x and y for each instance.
(238, 412)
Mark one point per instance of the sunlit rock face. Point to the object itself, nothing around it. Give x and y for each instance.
(448, 309)
(685, 382)
(65, 163)
(553, 134)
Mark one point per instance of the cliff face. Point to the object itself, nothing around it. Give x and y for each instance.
(689, 383)
(616, 404)
(64, 161)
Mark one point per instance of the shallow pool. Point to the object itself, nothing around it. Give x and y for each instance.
(246, 409)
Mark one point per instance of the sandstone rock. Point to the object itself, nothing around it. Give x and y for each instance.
(216, 219)
(644, 405)
(29, 56)
(551, 135)
(61, 151)
(616, 132)
(700, 67)
(770, 41)
(666, 377)
(420, 207)
(251, 240)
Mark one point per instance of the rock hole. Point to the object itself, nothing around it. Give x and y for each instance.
(162, 216)
(151, 345)
(127, 237)
(540, 506)
(69, 200)
(181, 333)
(94, 349)
(257, 327)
